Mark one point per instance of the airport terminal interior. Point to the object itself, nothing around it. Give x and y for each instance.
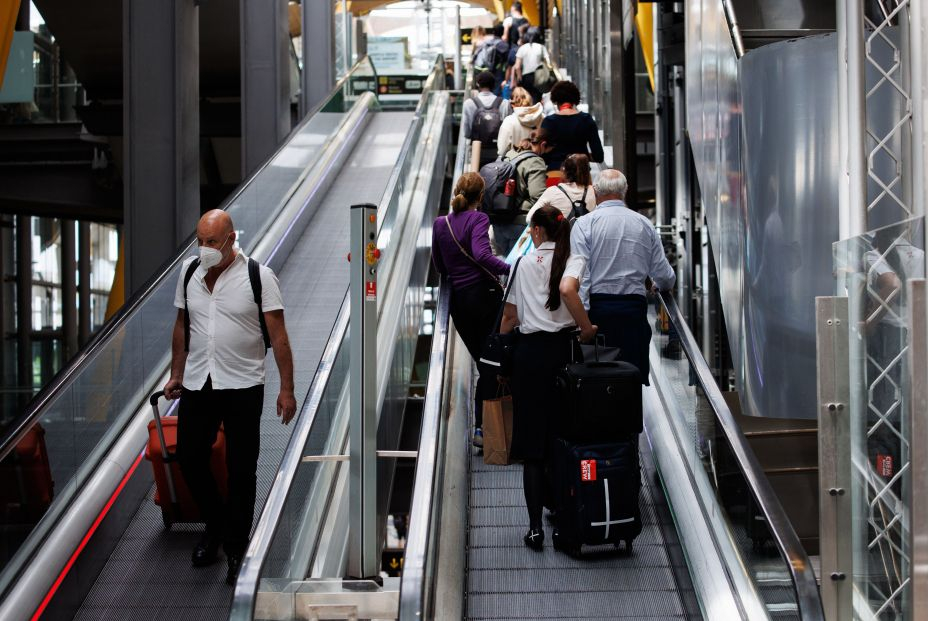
(779, 148)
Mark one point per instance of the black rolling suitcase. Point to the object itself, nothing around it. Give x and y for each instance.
(601, 400)
(596, 488)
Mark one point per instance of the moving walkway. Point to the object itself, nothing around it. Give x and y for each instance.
(100, 549)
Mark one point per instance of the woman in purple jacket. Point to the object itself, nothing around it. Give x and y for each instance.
(461, 251)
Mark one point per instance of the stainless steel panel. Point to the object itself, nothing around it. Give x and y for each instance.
(791, 164)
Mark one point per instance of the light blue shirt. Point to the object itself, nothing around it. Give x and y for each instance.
(618, 248)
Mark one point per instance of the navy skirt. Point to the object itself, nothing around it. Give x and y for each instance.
(623, 321)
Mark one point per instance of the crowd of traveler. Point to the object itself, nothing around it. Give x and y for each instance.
(594, 257)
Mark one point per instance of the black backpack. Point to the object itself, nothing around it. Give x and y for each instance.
(514, 29)
(487, 121)
(254, 276)
(500, 206)
(578, 207)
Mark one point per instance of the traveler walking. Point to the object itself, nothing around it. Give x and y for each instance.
(513, 23)
(619, 249)
(482, 116)
(217, 370)
(545, 345)
(461, 251)
(530, 178)
(574, 196)
(531, 56)
(572, 131)
(518, 126)
(492, 56)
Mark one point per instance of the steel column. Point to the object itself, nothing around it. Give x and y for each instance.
(363, 555)
(24, 301)
(83, 283)
(918, 426)
(616, 133)
(855, 210)
(265, 86)
(458, 73)
(682, 201)
(346, 36)
(161, 169)
(68, 289)
(318, 76)
(834, 456)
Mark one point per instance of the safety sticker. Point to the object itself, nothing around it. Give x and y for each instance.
(588, 470)
(884, 465)
(370, 291)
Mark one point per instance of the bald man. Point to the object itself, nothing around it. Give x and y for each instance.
(217, 371)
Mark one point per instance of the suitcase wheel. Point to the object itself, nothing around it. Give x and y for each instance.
(628, 547)
(167, 521)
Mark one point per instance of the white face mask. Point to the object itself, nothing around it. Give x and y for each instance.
(211, 257)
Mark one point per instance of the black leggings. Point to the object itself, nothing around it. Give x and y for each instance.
(533, 483)
(474, 310)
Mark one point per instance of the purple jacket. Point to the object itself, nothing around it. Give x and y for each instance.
(471, 230)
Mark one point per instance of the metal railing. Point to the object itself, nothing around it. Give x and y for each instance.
(720, 441)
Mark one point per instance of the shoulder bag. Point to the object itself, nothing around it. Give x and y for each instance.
(492, 276)
(498, 349)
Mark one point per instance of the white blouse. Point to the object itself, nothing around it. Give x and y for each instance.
(529, 293)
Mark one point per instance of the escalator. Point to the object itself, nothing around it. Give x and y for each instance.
(99, 549)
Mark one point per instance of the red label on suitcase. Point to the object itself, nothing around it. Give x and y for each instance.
(884, 465)
(588, 470)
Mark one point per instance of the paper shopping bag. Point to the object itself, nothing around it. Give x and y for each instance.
(497, 430)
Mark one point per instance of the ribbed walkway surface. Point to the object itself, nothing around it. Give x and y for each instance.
(506, 580)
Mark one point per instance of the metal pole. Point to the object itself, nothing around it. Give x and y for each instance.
(682, 202)
(856, 117)
(318, 75)
(346, 36)
(458, 73)
(24, 300)
(844, 206)
(918, 445)
(68, 288)
(83, 283)
(918, 20)
(362, 539)
(834, 456)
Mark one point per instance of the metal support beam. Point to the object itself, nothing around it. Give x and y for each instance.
(363, 555)
(853, 212)
(161, 170)
(83, 283)
(346, 37)
(918, 426)
(458, 70)
(318, 75)
(617, 136)
(68, 288)
(24, 301)
(265, 80)
(834, 456)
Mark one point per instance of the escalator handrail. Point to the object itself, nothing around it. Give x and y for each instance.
(803, 576)
(15, 432)
(413, 587)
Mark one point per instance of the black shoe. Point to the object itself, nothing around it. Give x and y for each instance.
(535, 538)
(672, 350)
(235, 561)
(206, 552)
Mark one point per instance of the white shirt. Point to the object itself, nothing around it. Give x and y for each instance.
(621, 249)
(912, 262)
(529, 293)
(532, 55)
(225, 336)
(556, 198)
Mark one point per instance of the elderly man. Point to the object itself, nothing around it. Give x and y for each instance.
(619, 249)
(217, 369)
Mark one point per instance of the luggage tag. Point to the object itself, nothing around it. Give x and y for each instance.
(588, 470)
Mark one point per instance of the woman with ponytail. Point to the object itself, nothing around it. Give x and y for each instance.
(461, 251)
(546, 327)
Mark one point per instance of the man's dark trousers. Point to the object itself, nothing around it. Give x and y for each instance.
(201, 413)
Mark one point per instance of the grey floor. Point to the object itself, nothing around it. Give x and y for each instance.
(149, 575)
(506, 580)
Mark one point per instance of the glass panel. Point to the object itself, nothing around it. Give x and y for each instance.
(872, 271)
(707, 450)
(87, 413)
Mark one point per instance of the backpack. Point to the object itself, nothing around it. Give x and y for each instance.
(514, 26)
(499, 194)
(578, 207)
(492, 56)
(254, 276)
(487, 121)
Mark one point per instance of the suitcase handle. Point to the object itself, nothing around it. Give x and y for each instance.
(165, 456)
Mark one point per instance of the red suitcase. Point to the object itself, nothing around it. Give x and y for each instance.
(171, 493)
(27, 488)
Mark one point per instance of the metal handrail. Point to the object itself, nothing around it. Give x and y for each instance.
(413, 588)
(17, 430)
(803, 576)
(733, 28)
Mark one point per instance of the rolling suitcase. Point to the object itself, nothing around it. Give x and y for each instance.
(596, 486)
(601, 400)
(171, 493)
(27, 488)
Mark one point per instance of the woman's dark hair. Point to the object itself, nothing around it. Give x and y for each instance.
(533, 35)
(565, 92)
(557, 229)
(467, 191)
(577, 169)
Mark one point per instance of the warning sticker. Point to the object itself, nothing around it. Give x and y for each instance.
(370, 291)
(588, 470)
(884, 465)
